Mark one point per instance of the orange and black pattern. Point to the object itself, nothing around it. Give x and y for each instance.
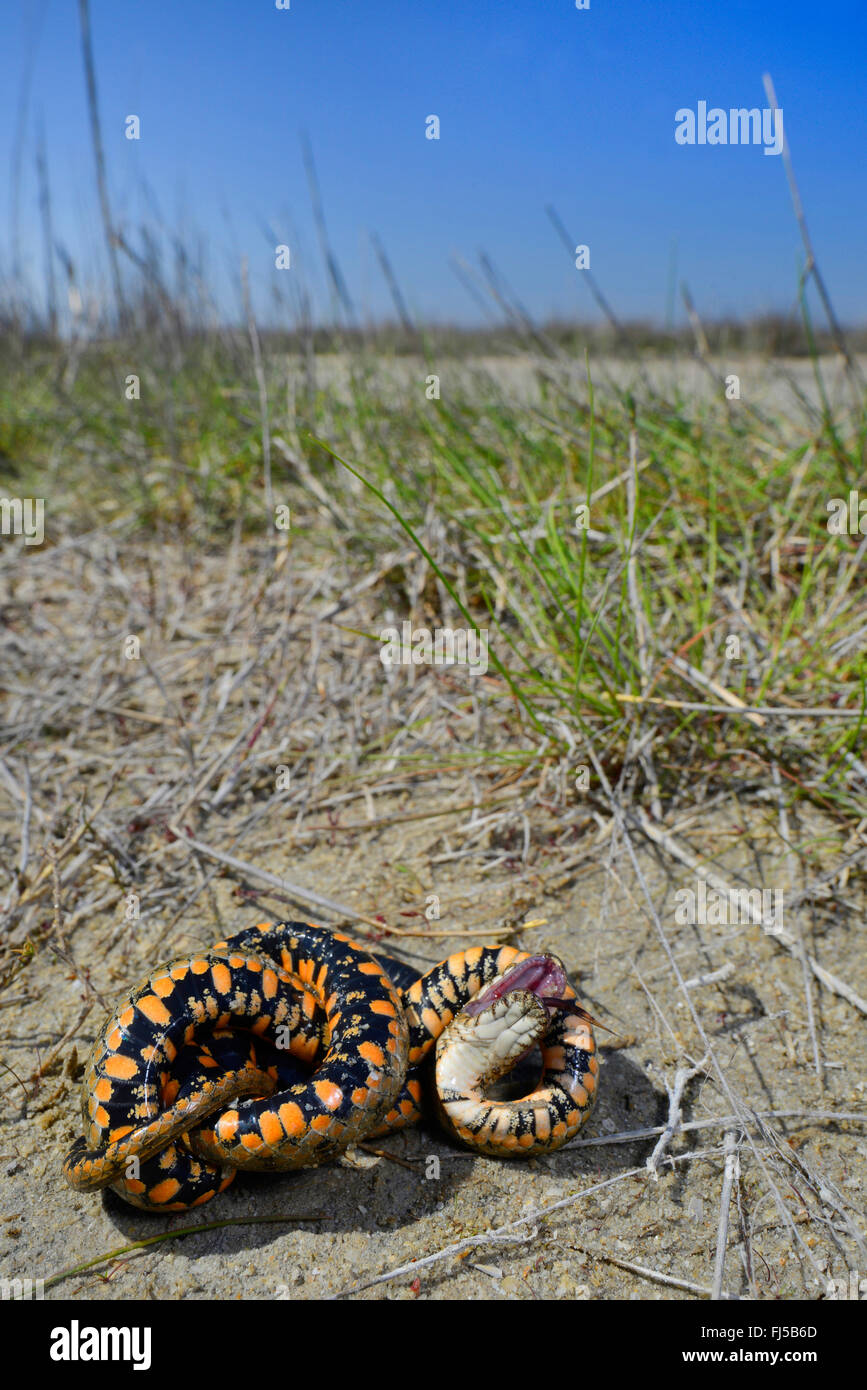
(296, 987)
(431, 1002)
(205, 1068)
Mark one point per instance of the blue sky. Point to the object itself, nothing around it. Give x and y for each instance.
(539, 103)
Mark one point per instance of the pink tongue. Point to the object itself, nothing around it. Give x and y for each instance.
(539, 974)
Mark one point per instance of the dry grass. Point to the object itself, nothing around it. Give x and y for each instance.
(129, 780)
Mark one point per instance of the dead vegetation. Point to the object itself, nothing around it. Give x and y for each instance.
(194, 737)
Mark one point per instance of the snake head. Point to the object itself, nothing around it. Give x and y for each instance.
(542, 975)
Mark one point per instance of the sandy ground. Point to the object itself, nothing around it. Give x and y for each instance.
(756, 1026)
(778, 387)
(330, 1230)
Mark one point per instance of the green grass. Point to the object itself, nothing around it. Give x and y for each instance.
(728, 500)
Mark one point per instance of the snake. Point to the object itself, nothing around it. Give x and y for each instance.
(283, 1045)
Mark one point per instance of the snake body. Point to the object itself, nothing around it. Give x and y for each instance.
(497, 1028)
(205, 1067)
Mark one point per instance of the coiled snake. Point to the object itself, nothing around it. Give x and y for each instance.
(205, 1067)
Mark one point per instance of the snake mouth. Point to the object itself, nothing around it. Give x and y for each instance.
(543, 976)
